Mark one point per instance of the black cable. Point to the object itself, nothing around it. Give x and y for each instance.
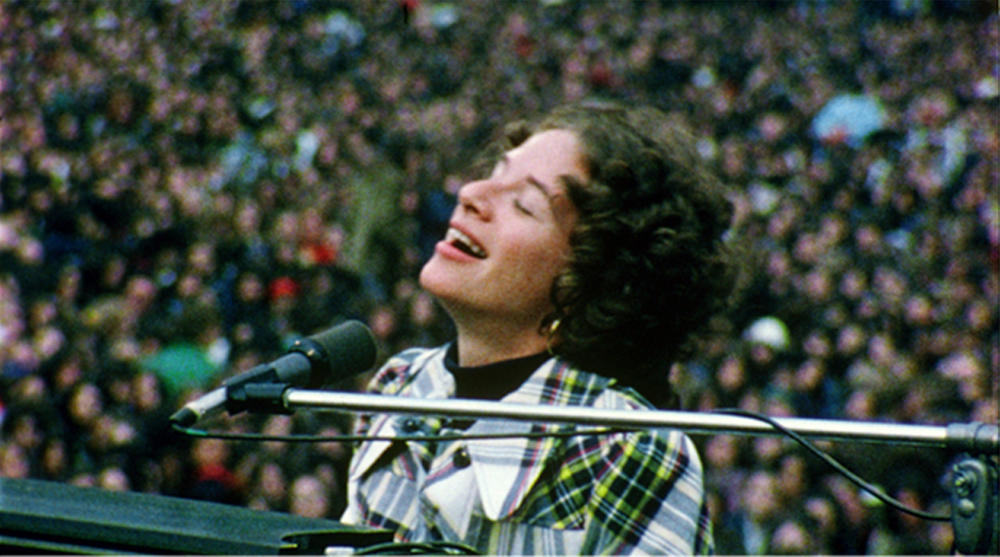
(836, 465)
(302, 438)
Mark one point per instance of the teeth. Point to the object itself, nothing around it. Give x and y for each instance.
(460, 240)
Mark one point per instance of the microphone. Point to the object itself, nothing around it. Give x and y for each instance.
(337, 353)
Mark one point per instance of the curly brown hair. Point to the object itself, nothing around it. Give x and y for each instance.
(649, 264)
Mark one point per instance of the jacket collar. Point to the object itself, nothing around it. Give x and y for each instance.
(504, 469)
(420, 385)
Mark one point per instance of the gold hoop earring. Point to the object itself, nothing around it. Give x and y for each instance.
(553, 327)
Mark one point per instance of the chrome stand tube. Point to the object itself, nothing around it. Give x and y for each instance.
(974, 437)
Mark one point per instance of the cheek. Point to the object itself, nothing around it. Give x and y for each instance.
(539, 262)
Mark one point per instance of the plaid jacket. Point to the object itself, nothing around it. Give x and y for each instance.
(638, 492)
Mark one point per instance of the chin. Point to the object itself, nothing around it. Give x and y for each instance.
(430, 278)
(446, 288)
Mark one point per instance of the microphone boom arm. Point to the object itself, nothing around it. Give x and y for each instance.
(973, 437)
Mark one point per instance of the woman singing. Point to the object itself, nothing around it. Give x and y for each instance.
(577, 271)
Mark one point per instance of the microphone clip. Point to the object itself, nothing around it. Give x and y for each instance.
(260, 397)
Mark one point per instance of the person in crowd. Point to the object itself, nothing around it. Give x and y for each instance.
(576, 272)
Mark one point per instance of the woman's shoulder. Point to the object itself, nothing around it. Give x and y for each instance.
(593, 389)
(597, 391)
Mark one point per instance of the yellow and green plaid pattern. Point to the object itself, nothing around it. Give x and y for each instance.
(619, 493)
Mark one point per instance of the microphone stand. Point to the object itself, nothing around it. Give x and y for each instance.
(973, 482)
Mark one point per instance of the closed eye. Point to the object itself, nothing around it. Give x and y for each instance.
(522, 208)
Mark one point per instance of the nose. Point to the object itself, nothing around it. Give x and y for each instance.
(475, 198)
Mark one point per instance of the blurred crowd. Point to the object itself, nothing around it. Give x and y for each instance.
(187, 187)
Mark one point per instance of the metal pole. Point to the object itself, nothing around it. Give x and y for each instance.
(695, 422)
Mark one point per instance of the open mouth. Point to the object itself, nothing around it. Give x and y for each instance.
(464, 244)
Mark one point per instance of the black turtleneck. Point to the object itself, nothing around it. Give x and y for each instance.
(491, 381)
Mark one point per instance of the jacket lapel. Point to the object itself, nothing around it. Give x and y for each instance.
(370, 451)
(506, 469)
(433, 383)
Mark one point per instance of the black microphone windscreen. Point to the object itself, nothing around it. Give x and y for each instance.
(349, 348)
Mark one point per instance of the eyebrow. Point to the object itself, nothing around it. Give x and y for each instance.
(535, 182)
(532, 181)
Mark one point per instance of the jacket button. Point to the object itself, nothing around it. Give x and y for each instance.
(410, 425)
(461, 458)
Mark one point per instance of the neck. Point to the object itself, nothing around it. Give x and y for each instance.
(482, 344)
